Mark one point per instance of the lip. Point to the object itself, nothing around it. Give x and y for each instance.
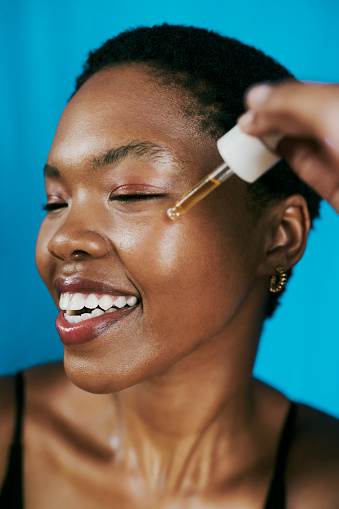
(88, 330)
(79, 285)
(72, 334)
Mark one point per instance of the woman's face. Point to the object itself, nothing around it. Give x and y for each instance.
(123, 153)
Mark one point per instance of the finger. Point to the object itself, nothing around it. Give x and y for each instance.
(260, 123)
(294, 108)
(314, 167)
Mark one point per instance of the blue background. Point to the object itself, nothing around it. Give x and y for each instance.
(42, 48)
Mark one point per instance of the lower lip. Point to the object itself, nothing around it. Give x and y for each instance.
(88, 330)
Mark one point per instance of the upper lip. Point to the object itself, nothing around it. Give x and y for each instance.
(78, 285)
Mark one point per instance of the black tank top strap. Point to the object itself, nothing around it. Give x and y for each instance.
(19, 398)
(11, 496)
(276, 497)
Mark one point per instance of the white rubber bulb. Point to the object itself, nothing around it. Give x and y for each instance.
(246, 155)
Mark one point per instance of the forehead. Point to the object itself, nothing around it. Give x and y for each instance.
(128, 89)
(127, 103)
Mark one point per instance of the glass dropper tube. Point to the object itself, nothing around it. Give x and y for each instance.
(202, 189)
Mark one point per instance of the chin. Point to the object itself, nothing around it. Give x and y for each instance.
(91, 378)
(103, 377)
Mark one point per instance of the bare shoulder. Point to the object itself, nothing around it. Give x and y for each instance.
(38, 380)
(313, 470)
(40, 383)
(45, 381)
(52, 399)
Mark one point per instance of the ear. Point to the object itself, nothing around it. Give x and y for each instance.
(287, 231)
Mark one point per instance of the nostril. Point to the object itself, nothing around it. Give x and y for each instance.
(72, 242)
(77, 254)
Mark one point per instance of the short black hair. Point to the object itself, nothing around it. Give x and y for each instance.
(217, 71)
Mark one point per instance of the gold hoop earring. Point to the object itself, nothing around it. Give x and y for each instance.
(278, 281)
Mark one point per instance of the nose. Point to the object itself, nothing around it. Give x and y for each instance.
(73, 242)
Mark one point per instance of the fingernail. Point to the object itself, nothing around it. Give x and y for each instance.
(246, 119)
(258, 94)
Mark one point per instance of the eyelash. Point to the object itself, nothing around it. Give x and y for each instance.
(135, 197)
(48, 207)
(53, 206)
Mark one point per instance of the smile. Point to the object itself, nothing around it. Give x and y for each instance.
(80, 307)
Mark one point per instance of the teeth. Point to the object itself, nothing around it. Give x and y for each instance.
(120, 302)
(64, 301)
(131, 301)
(86, 316)
(91, 302)
(77, 302)
(106, 302)
(69, 318)
(97, 312)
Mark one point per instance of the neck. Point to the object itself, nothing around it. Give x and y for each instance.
(201, 407)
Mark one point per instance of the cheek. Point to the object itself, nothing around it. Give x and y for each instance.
(190, 274)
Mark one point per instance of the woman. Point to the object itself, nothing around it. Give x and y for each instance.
(161, 320)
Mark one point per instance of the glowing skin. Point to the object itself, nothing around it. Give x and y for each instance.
(185, 301)
(201, 285)
(189, 427)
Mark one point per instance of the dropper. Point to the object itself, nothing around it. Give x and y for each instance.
(244, 156)
(202, 189)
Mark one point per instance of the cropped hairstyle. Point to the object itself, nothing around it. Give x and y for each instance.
(216, 71)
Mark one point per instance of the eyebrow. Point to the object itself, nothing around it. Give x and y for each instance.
(133, 149)
(51, 172)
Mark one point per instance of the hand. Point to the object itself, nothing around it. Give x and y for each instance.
(307, 118)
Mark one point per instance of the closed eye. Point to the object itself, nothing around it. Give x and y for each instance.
(135, 197)
(53, 206)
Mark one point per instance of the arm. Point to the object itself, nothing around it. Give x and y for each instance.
(308, 118)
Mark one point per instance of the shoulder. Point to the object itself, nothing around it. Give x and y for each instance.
(313, 469)
(39, 382)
